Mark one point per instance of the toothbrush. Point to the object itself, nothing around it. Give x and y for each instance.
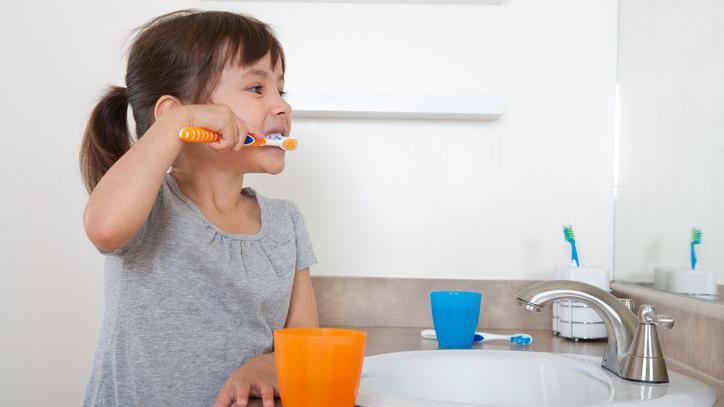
(695, 239)
(518, 339)
(202, 135)
(571, 238)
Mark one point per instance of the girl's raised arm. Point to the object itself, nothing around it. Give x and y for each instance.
(123, 196)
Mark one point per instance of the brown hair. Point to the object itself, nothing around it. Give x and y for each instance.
(180, 54)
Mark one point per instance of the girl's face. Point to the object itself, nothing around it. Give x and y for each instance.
(255, 94)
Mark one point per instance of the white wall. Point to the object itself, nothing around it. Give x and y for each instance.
(672, 127)
(380, 197)
(383, 199)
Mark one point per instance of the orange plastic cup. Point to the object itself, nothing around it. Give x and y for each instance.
(319, 366)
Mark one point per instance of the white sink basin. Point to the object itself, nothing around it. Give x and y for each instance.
(512, 378)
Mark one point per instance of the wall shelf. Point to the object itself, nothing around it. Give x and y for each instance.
(475, 108)
(473, 2)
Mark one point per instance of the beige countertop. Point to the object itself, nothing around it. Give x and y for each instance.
(388, 340)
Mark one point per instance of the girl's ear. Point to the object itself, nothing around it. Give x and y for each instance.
(164, 104)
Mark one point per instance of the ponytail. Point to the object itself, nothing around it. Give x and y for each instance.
(106, 136)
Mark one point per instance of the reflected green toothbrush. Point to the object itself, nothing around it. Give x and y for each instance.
(695, 239)
(571, 238)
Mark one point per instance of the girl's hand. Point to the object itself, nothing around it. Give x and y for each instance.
(257, 378)
(221, 119)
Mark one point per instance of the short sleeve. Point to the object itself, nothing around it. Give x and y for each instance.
(305, 251)
(141, 233)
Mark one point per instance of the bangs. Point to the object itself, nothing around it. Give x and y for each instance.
(190, 48)
(242, 44)
(247, 48)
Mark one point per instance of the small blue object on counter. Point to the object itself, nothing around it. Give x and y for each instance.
(518, 339)
(455, 316)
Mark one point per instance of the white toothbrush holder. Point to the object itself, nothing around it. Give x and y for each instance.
(574, 319)
(684, 280)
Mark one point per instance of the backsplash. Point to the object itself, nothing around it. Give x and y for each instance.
(405, 302)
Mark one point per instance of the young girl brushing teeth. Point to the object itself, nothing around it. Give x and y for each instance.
(199, 270)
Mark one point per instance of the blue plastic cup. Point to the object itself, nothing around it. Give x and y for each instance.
(455, 315)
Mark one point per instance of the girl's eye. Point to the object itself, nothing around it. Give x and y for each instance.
(255, 89)
(259, 89)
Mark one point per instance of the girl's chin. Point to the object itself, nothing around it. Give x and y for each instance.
(274, 168)
(272, 159)
(271, 165)
(259, 160)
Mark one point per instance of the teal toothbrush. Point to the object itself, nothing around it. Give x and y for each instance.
(695, 239)
(571, 238)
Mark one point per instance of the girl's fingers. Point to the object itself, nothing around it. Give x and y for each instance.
(242, 393)
(245, 129)
(267, 394)
(240, 143)
(229, 131)
(225, 143)
(229, 138)
(225, 397)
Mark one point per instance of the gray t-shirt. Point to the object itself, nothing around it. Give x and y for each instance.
(186, 303)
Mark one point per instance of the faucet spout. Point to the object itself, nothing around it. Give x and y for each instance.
(620, 322)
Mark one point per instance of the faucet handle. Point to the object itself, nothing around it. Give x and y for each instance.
(644, 361)
(648, 315)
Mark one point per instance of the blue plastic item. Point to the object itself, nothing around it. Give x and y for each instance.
(455, 316)
(695, 239)
(571, 238)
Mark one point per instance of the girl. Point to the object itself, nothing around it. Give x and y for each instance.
(199, 271)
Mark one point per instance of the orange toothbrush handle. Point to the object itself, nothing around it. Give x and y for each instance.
(198, 135)
(203, 135)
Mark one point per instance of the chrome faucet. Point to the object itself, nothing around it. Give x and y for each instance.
(633, 351)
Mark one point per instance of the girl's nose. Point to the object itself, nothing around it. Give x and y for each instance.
(281, 107)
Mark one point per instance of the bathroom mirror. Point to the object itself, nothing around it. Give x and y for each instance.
(670, 140)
